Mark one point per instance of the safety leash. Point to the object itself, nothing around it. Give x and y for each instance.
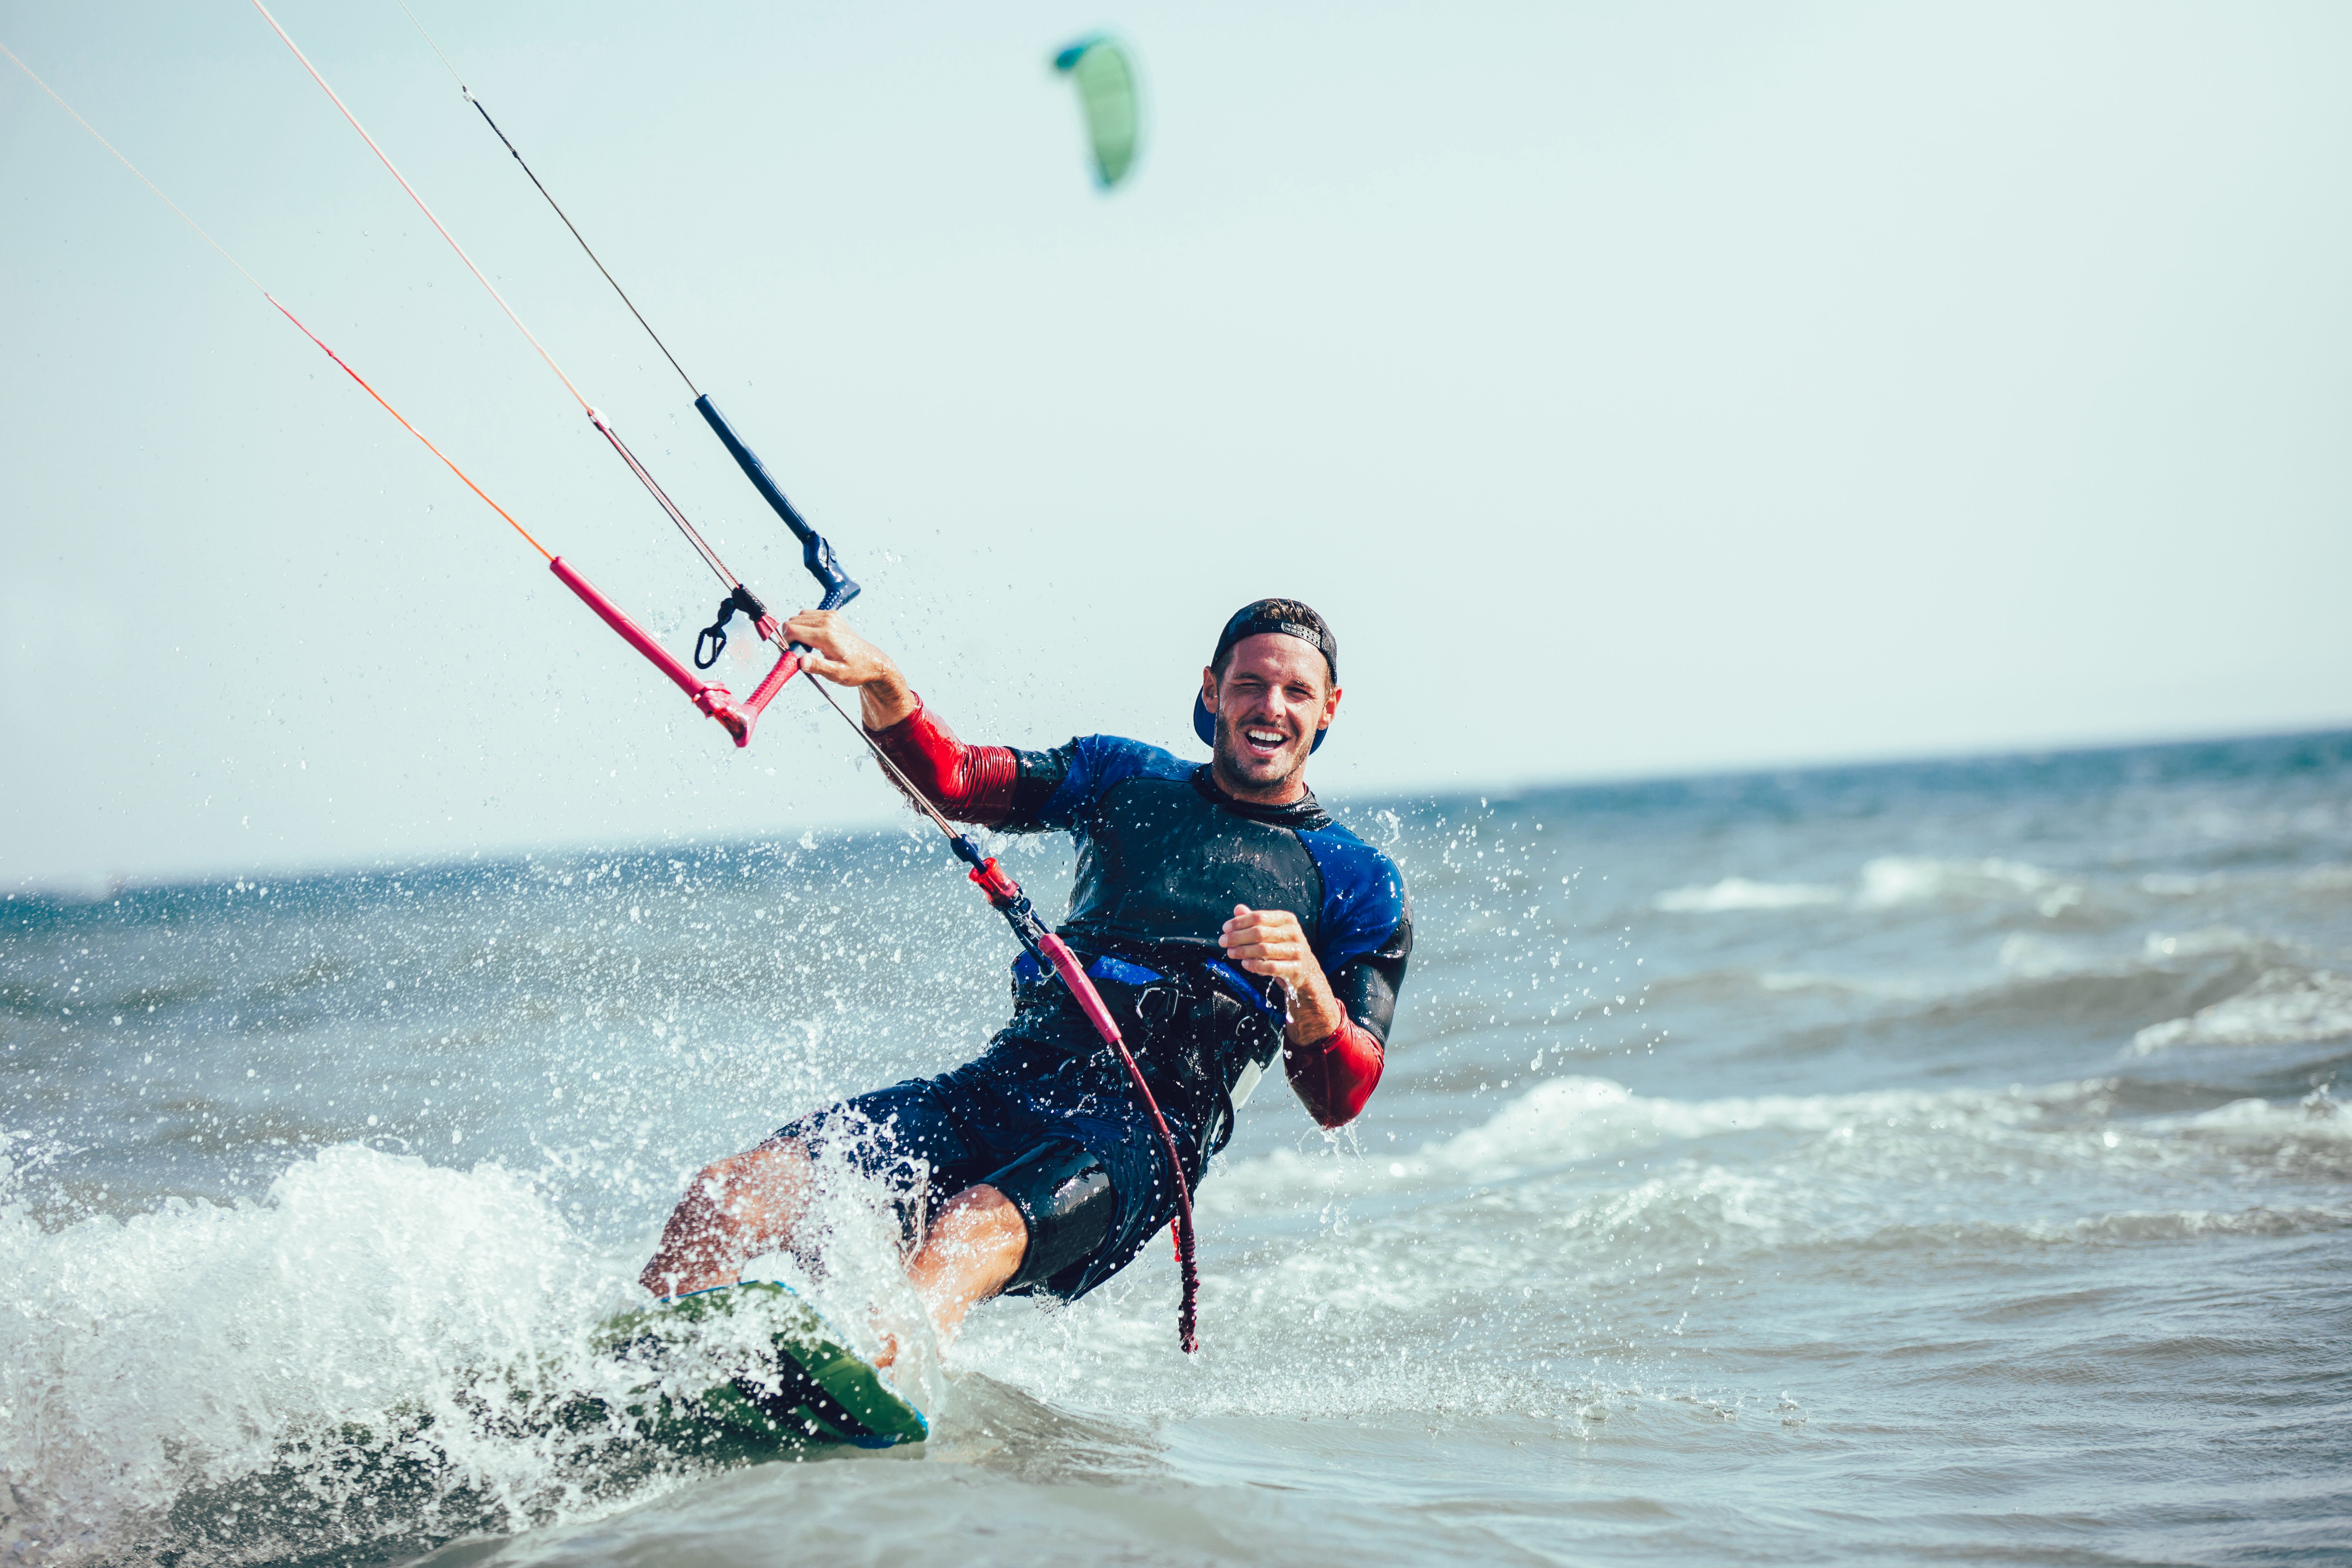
(1053, 953)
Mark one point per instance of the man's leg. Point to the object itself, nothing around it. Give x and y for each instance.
(748, 1204)
(972, 1252)
(1030, 1220)
(734, 1210)
(1025, 1223)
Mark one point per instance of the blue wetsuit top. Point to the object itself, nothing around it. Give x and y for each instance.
(1164, 855)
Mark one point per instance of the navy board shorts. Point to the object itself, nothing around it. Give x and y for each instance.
(1046, 1076)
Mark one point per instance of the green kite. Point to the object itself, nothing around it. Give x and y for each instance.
(1106, 89)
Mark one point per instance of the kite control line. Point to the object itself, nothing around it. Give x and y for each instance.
(739, 719)
(1034, 936)
(1052, 952)
(815, 554)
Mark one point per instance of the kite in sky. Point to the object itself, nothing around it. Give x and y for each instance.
(1107, 90)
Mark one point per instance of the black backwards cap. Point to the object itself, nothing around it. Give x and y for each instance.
(1290, 618)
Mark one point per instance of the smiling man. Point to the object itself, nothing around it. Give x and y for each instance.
(1224, 916)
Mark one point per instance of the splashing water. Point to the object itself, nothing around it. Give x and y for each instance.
(1867, 1165)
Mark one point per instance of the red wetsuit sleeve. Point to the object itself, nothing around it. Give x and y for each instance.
(1337, 1076)
(971, 783)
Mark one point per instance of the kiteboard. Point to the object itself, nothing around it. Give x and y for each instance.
(754, 1364)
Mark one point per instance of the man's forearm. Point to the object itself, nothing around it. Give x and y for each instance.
(971, 783)
(1333, 1061)
(886, 700)
(1335, 1075)
(1315, 1012)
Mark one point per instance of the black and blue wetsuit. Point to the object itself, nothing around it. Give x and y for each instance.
(1163, 857)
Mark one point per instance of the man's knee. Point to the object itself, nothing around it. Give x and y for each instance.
(1064, 1197)
(978, 1219)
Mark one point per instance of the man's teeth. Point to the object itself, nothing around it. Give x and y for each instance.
(1264, 737)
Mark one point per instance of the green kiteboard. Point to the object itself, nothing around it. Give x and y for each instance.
(754, 1366)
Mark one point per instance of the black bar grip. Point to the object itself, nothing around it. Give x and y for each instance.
(815, 554)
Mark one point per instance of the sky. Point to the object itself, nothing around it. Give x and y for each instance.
(1637, 390)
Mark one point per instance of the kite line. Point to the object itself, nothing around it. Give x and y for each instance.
(816, 555)
(1003, 892)
(275, 302)
(739, 718)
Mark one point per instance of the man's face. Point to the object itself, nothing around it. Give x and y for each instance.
(1276, 692)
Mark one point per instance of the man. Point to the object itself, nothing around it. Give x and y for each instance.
(1225, 918)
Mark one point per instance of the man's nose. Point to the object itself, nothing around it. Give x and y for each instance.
(1272, 705)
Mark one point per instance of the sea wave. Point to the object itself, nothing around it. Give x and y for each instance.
(2266, 1124)
(1888, 881)
(1740, 893)
(1894, 879)
(191, 1343)
(2287, 1005)
(374, 1352)
(2044, 981)
(1899, 881)
(2034, 955)
(1560, 1122)
(1642, 1202)
(1886, 1134)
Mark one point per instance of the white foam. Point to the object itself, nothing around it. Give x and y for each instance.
(1565, 1119)
(1874, 1136)
(445, 1313)
(1740, 893)
(2317, 1120)
(2210, 942)
(2285, 1007)
(1889, 881)
(427, 1314)
(183, 1346)
(1892, 880)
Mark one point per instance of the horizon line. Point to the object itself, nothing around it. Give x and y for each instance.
(66, 891)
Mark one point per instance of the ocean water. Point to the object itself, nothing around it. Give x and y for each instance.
(1928, 1163)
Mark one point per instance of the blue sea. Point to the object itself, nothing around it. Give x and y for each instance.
(1912, 1164)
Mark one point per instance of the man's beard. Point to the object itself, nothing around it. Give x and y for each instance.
(1239, 761)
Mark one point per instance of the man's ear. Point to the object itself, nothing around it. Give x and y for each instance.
(1331, 708)
(1209, 689)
